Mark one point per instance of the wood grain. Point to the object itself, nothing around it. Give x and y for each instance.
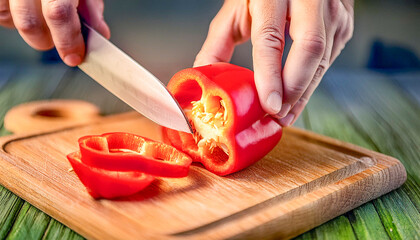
(324, 116)
(306, 180)
(47, 115)
(11, 205)
(368, 109)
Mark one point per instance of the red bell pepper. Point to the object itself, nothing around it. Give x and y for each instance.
(108, 184)
(130, 152)
(231, 130)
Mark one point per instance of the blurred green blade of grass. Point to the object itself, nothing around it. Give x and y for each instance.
(30, 223)
(10, 205)
(57, 231)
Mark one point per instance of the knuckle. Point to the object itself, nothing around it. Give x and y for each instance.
(296, 90)
(323, 66)
(28, 25)
(334, 9)
(26, 22)
(342, 46)
(314, 43)
(270, 36)
(348, 33)
(58, 12)
(344, 35)
(5, 15)
(303, 101)
(347, 28)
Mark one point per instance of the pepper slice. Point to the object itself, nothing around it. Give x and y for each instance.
(129, 152)
(231, 130)
(108, 184)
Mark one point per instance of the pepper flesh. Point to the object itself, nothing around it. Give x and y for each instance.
(129, 152)
(108, 184)
(231, 130)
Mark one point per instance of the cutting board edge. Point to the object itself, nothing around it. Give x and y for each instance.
(393, 169)
(390, 168)
(9, 184)
(395, 173)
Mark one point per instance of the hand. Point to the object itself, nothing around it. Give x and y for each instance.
(44, 24)
(319, 30)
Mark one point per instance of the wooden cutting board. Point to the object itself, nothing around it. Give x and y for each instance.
(305, 181)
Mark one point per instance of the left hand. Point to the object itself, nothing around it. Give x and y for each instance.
(319, 30)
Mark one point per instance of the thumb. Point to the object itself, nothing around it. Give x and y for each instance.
(228, 28)
(92, 12)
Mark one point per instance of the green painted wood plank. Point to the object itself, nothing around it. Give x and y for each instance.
(10, 206)
(324, 116)
(366, 223)
(30, 224)
(306, 236)
(383, 112)
(399, 216)
(57, 231)
(412, 189)
(338, 228)
(383, 116)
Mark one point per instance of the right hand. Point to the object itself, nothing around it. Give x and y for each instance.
(319, 30)
(44, 24)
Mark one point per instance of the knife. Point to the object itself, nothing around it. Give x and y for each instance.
(130, 82)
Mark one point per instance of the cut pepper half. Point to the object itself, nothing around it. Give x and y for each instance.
(231, 130)
(129, 152)
(108, 184)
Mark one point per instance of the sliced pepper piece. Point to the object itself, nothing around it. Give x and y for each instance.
(231, 130)
(129, 152)
(108, 184)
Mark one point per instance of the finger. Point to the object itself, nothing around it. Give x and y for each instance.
(267, 36)
(64, 24)
(331, 17)
(92, 12)
(303, 61)
(5, 16)
(342, 36)
(297, 109)
(228, 28)
(28, 20)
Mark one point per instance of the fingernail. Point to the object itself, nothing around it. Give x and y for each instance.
(286, 121)
(284, 110)
(274, 101)
(72, 59)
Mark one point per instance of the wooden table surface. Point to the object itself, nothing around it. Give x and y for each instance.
(375, 110)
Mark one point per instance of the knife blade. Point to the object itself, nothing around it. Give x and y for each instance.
(130, 82)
